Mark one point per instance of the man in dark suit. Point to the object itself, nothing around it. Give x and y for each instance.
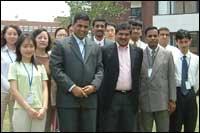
(76, 65)
(118, 100)
(98, 30)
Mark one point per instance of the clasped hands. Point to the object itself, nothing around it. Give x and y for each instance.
(33, 113)
(83, 91)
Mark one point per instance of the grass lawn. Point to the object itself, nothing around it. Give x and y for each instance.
(6, 121)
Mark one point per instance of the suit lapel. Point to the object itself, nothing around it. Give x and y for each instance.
(133, 56)
(75, 48)
(145, 58)
(157, 62)
(88, 48)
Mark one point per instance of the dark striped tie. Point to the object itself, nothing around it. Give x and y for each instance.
(184, 76)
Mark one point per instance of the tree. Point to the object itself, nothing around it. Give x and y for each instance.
(106, 9)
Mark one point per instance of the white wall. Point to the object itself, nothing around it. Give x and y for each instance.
(188, 22)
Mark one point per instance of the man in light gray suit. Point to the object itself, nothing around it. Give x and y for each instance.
(157, 94)
(76, 65)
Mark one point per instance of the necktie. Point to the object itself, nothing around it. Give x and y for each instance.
(153, 54)
(184, 76)
(82, 48)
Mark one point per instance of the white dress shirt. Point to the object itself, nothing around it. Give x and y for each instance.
(99, 42)
(7, 56)
(193, 69)
(175, 51)
(139, 44)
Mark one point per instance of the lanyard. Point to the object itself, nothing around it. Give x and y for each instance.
(30, 78)
(9, 56)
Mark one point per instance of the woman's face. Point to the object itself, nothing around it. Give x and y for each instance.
(61, 34)
(42, 40)
(11, 36)
(27, 49)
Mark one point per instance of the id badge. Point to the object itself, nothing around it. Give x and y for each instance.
(188, 85)
(30, 98)
(149, 72)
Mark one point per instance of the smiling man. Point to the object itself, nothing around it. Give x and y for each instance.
(76, 65)
(119, 92)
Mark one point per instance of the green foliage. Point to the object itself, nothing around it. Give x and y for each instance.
(106, 9)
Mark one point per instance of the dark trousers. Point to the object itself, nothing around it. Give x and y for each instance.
(120, 117)
(186, 112)
(77, 119)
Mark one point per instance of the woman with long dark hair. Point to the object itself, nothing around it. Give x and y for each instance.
(9, 36)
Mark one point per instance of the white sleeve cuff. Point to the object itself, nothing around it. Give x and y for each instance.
(70, 89)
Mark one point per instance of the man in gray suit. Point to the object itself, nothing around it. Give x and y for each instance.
(76, 65)
(157, 94)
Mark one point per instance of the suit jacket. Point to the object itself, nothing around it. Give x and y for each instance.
(111, 73)
(157, 90)
(69, 68)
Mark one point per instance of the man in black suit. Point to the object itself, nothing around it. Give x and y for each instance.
(76, 65)
(118, 100)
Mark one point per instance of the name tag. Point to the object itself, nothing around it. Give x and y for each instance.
(149, 72)
(188, 85)
(30, 98)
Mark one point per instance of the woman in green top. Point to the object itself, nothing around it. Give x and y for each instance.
(28, 87)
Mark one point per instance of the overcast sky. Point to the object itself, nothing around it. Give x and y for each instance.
(33, 10)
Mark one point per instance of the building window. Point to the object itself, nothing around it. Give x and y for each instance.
(163, 7)
(136, 12)
(177, 7)
(191, 6)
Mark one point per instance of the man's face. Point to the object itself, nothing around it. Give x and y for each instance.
(122, 37)
(152, 38)
(183, 44)
(136, 32)
(99, 28)
(164, 38)
(81, 28)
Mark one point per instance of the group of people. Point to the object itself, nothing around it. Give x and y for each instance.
(111, 81)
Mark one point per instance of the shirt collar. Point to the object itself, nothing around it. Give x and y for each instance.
(5, 48)
(187, 55)
(78, 40)
(97, 41)
(156, 49)
(118, 46)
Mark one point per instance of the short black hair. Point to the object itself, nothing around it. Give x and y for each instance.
(81, 16)
(150, 28)
(181, 34)
(163, 28)
(99, 19)
(36, 33)
(123, 26)
(133, 22)
(69, 26)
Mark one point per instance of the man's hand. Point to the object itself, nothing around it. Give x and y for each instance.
(171, 106)
(89, 89)
(78, 92)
